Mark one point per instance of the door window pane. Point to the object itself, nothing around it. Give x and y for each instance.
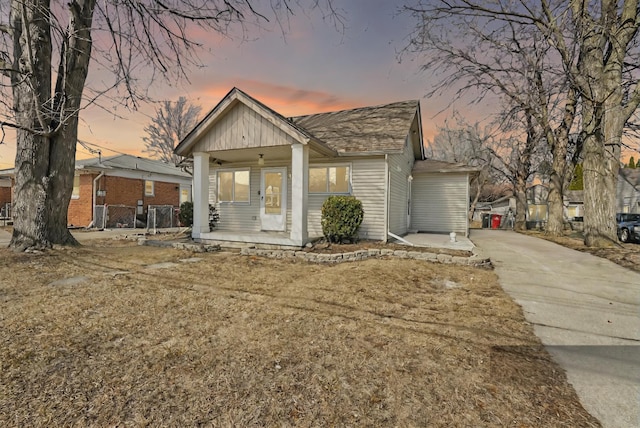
(273, 192)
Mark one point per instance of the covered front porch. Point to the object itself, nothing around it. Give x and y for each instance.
(261, 198)
(252, 164)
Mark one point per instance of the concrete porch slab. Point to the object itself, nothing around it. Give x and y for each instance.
(437, 240)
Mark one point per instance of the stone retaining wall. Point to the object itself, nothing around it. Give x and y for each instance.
(474, 260)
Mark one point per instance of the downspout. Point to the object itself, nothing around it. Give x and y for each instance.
(404, 241)
(466, 234)
(94, 198)
(386, 197)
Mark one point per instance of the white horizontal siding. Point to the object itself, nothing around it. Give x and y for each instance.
(400, 166)
(440, 203)
(368, 186)
(241, 216)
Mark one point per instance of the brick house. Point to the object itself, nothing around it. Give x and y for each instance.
(125, 181)
(5, 194)
(120, 186)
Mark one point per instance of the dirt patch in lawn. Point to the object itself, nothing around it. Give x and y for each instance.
(627, 255)
(150, 336)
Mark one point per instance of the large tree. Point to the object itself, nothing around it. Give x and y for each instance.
(172, 122)
(489, 56)
(593, 44)
(46, 52)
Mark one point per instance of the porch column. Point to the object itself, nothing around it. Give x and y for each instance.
(299, 193)
(200, 194)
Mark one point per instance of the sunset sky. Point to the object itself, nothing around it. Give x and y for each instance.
(314, 68)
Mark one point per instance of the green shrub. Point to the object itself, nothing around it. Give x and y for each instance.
(341, 218)
(186, 214)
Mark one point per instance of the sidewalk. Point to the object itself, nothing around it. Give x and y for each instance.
(586, 311)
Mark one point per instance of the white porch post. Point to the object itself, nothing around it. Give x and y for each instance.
(299, 193)
(200, 194)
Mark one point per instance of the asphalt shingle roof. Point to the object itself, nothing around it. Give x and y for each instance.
(382, 128)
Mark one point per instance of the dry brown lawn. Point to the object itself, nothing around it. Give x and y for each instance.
(238, 341)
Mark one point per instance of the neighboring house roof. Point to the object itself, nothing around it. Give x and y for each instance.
(381, 128)
(431, 165)
(131, 163)
(574, 196)
(631, 176)
(7, 173)
(484, 205)
(120, 162)
(367, 130)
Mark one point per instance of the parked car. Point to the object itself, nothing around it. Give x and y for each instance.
(628, 226)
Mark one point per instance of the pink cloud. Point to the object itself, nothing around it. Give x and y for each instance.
(286, 100)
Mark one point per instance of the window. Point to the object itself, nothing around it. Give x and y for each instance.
(76, 187)
(185, 195)
(148, 188)
(233, 186)
(329, 179)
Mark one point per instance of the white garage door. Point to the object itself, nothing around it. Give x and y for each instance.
(440, 203)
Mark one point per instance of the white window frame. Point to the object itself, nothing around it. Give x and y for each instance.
(233, 190)
(327, 166)
(73, 194)
(153, 188)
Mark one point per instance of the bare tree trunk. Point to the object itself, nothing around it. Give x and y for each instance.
(558, 180)
(480, 182)
(555, 219)
(520, 190)
(47, 136)
(599, 183)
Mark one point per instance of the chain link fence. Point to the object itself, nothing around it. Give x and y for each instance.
(161, 216)
(100, 216)
(5, 213)
(114, 216)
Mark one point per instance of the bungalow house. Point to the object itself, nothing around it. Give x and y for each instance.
(269, 175)
(628, 191)
(125, 186)
(113, 190)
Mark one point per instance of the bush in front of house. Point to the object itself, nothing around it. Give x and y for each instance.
(186, 214)
(341, 218)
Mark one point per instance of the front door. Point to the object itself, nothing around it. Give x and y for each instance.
(273, 199)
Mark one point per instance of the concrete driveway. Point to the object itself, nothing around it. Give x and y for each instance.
(586, 311)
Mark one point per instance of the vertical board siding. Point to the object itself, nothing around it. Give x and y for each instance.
(368, 185)
(440, 203)
(400, 166)
(241, 128)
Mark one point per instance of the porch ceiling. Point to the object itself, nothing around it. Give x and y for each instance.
(276, 153)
